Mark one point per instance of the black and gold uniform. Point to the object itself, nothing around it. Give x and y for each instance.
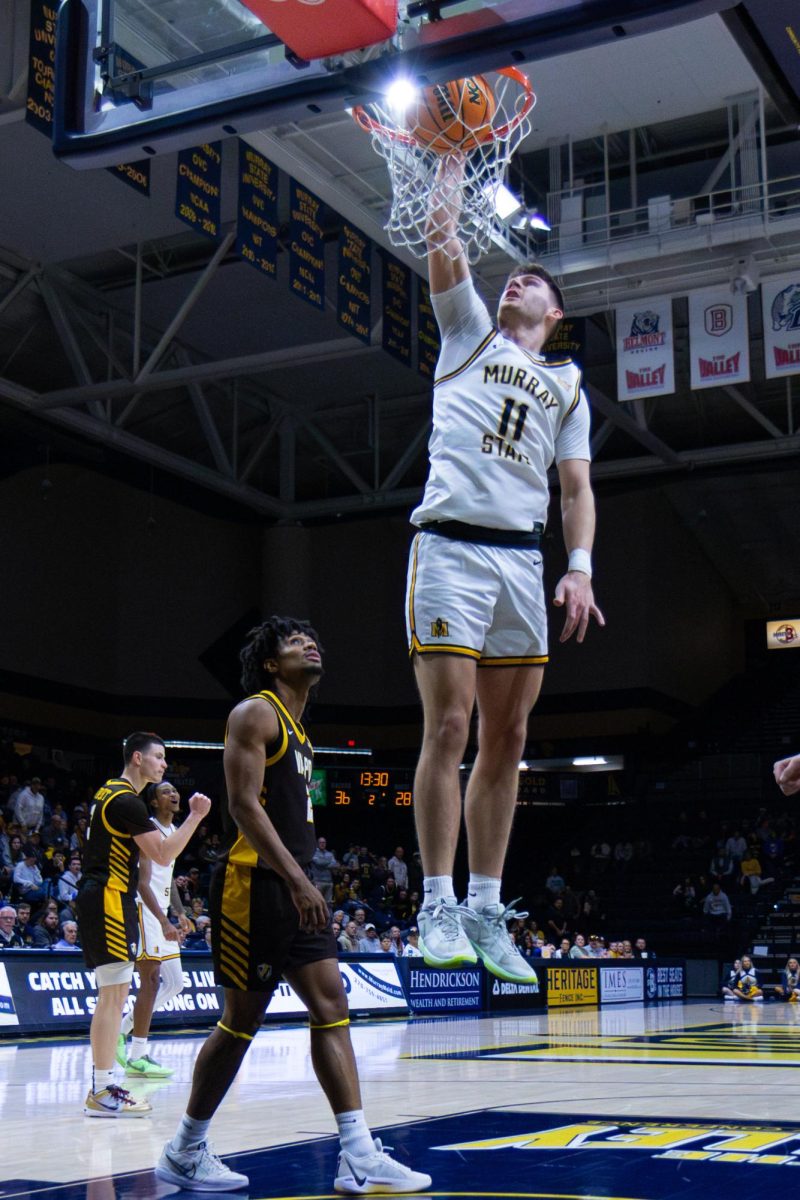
(106, 900)
(256, 927)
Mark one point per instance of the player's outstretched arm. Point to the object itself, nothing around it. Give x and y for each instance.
(787, 775)
(252, 726)
(447, 262)
(165, 850)
(574, 590)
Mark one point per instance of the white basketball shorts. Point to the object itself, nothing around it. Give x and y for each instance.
(152, 943)
(485, 602)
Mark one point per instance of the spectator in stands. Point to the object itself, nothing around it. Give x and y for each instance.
(24, 926)
(556, 927)
(600, 855)
(717, 907)
(322, 865)
(626, 949)
(789, 986)
(10, 938)
(787, 774)
(68, 883)
(580, 949)
(411, 948)
(563, 950)
(721, 865)
(29, 806)
(399, 868)
(79, 836)
(359, 915)
(396, 939)
(572, 906)
(196, 939)
(685, 895)
(336, 926)
(595, 946)
(348, 941)
(386, 944)
(744, 983)
(45, 931)
(591, 909)
(69, 937)
(368, 940)
(28, 878)
(640, 949)
(736, 846)
(341, 890)
(403, 909)
(55, 836)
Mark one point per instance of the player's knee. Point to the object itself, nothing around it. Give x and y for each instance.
(328, 1011)
(450, 731)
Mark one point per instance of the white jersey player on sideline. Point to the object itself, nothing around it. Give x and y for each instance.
(476, 612)
(159, 960)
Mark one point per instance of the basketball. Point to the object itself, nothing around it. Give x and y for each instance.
(454, 116)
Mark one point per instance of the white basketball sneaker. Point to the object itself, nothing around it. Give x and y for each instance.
(376, 1174)
(198, 1169)
(442, 939)
(488, 933)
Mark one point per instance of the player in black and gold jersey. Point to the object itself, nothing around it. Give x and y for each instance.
(119, 828)
(269, 920)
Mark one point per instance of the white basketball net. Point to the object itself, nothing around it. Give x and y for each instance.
(416, 171)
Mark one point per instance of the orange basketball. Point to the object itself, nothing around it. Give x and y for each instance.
(454, 116)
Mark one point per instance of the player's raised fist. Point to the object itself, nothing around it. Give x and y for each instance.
(199, 804)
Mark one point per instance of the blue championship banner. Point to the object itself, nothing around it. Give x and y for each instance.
(41, 66)
(396, 291)
(306, 247)
(136, 174)
(257, 222)
(199, 188)
(353, 295)
(428, 341)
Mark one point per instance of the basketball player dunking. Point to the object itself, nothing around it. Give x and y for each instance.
(475, 606)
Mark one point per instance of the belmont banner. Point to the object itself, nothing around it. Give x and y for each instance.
(780, 299)
(645, 350)
(718, 337)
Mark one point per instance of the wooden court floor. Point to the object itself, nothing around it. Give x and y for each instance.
(631, 1102)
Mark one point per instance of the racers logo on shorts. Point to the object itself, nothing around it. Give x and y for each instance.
(134, 949)
(440, 628)
(263, 971)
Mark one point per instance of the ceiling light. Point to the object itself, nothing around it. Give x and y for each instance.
(505, 203)
(401, 94)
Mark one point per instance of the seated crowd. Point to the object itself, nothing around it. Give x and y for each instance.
(742, 983)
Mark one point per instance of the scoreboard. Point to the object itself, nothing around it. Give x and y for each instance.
(356, 788)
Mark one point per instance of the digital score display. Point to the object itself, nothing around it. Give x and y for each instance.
(370, 788)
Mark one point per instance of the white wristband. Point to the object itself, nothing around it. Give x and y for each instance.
(580, 560)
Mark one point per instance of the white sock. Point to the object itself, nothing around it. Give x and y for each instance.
(127, 1023)
(437, 887)
(137, 1048)
(483, 890)
(190, 1133)
(354, 1133)
(101, 1079)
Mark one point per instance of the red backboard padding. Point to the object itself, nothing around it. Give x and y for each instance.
(319, 28)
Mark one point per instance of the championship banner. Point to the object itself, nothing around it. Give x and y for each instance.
(199, 187)
(306, 248)
(780, 300)
(354, 278)
(136, 175)
(719, 339)
(568, 341)
(428, 340)
(41, 66)
(396, 291)
(645, 350)
(257, 218)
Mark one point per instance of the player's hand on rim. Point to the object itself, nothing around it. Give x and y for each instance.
(574, 590)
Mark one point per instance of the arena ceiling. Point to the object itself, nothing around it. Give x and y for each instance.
(224, 380)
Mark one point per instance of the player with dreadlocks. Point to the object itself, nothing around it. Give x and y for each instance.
(269, 920)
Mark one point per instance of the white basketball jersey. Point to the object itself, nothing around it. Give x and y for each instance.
(161, 877)
(501, 417)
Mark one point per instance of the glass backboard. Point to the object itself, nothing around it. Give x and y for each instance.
(139, 77)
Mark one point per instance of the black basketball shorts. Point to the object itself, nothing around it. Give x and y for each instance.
(108, 924)
(255, 929)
